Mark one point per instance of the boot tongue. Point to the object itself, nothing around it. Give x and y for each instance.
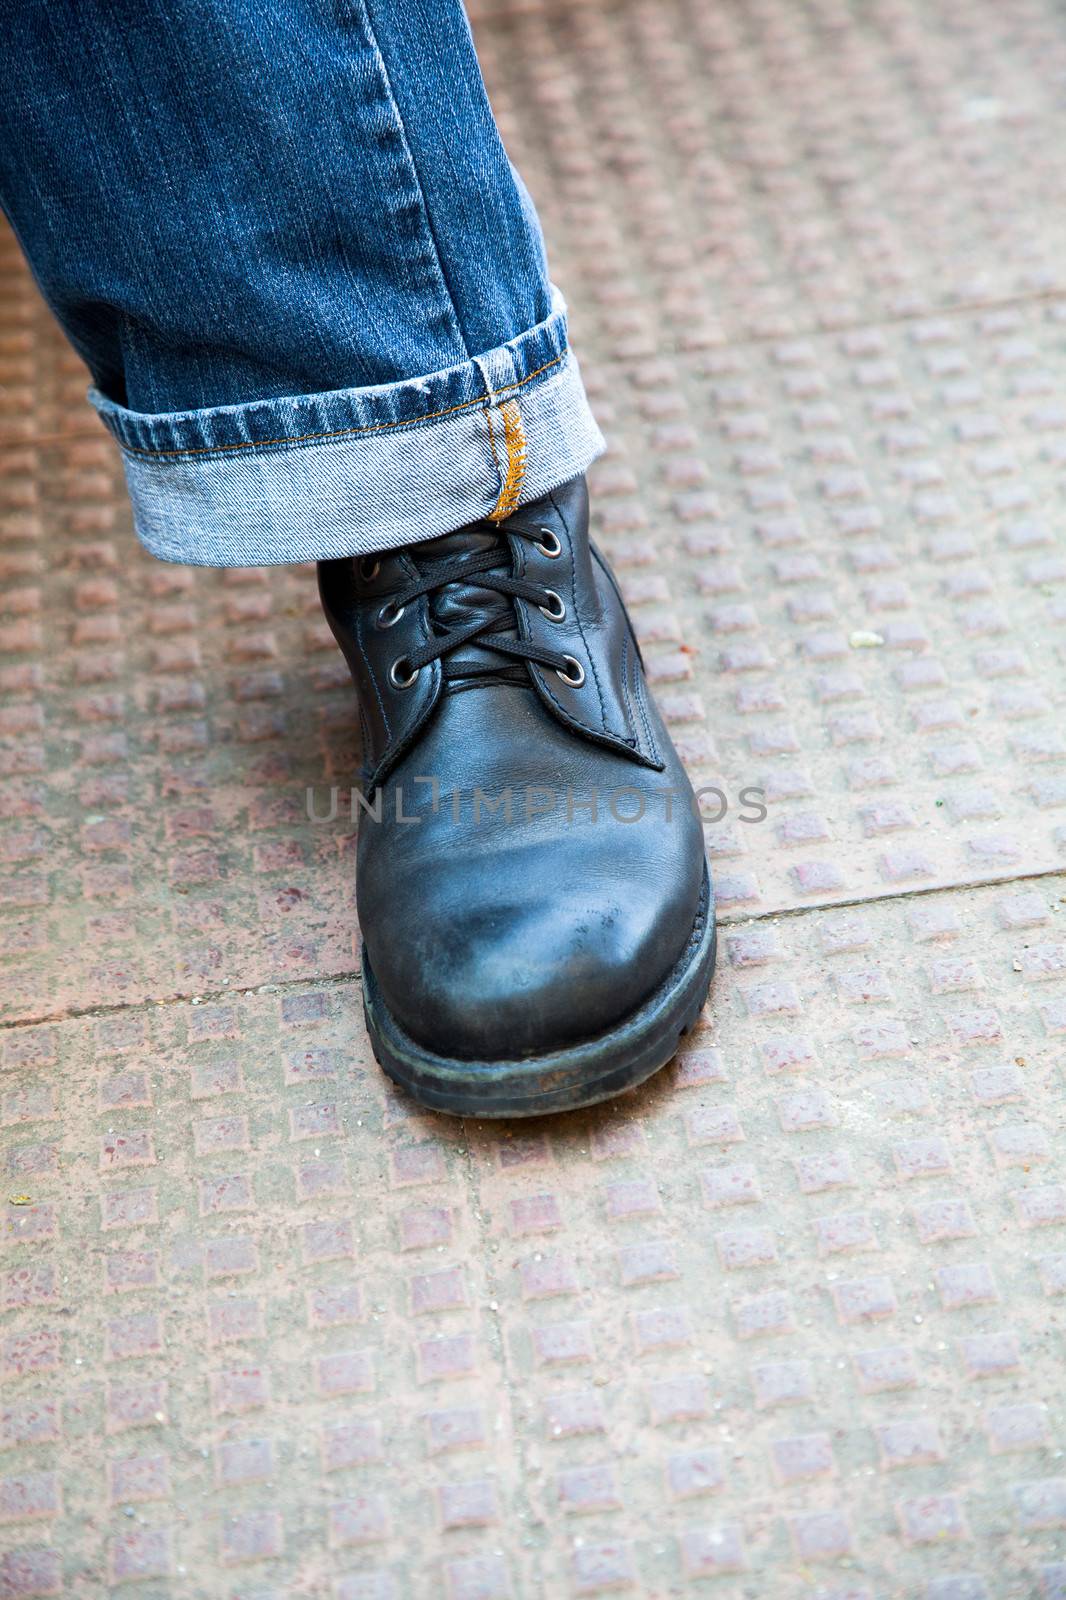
(459, 604)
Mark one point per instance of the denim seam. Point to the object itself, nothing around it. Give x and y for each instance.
(483, 400)
(129, 340)
(517, 449)
(492, 440)
(492, 446)
(409, 153)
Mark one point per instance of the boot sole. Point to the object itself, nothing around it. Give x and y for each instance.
(579, 1075)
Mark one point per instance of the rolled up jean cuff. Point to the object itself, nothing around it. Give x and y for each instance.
(352, 471)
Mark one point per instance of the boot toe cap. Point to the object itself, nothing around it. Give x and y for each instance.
(500, 977)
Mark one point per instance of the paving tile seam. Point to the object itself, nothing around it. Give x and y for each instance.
(203, 997)
(505, 19)
(496, 1292)
(337, 980)
(893, 897)
(899, 319)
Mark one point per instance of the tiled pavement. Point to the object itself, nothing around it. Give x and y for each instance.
(788, 1323)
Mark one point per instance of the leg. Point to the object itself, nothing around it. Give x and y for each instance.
(289, 245)
(314, 302)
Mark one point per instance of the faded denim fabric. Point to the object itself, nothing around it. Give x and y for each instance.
(287, 241)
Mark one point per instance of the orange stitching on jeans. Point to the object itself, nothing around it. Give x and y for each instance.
(339, 433)
(515, 438)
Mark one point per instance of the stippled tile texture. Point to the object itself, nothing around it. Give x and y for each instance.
(789, 1322)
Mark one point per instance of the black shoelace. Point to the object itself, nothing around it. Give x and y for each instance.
(489, 630)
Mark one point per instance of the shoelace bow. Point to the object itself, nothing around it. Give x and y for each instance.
(488, 630)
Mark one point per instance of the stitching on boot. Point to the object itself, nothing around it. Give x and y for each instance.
(581, 625)
(514, 437)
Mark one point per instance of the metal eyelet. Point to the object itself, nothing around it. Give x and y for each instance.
(389, 615)
(395, 678)
(576, 676)
(369, 567)
(550, 545)
(557, 610)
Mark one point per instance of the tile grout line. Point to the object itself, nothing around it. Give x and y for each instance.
(899, 319)
(495, 1285)
(894, 897)
(208, 997)
(340, 979)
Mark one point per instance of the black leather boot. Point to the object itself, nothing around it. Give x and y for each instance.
(532, 885)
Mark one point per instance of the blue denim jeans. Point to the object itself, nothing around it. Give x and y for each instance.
(309, 286)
